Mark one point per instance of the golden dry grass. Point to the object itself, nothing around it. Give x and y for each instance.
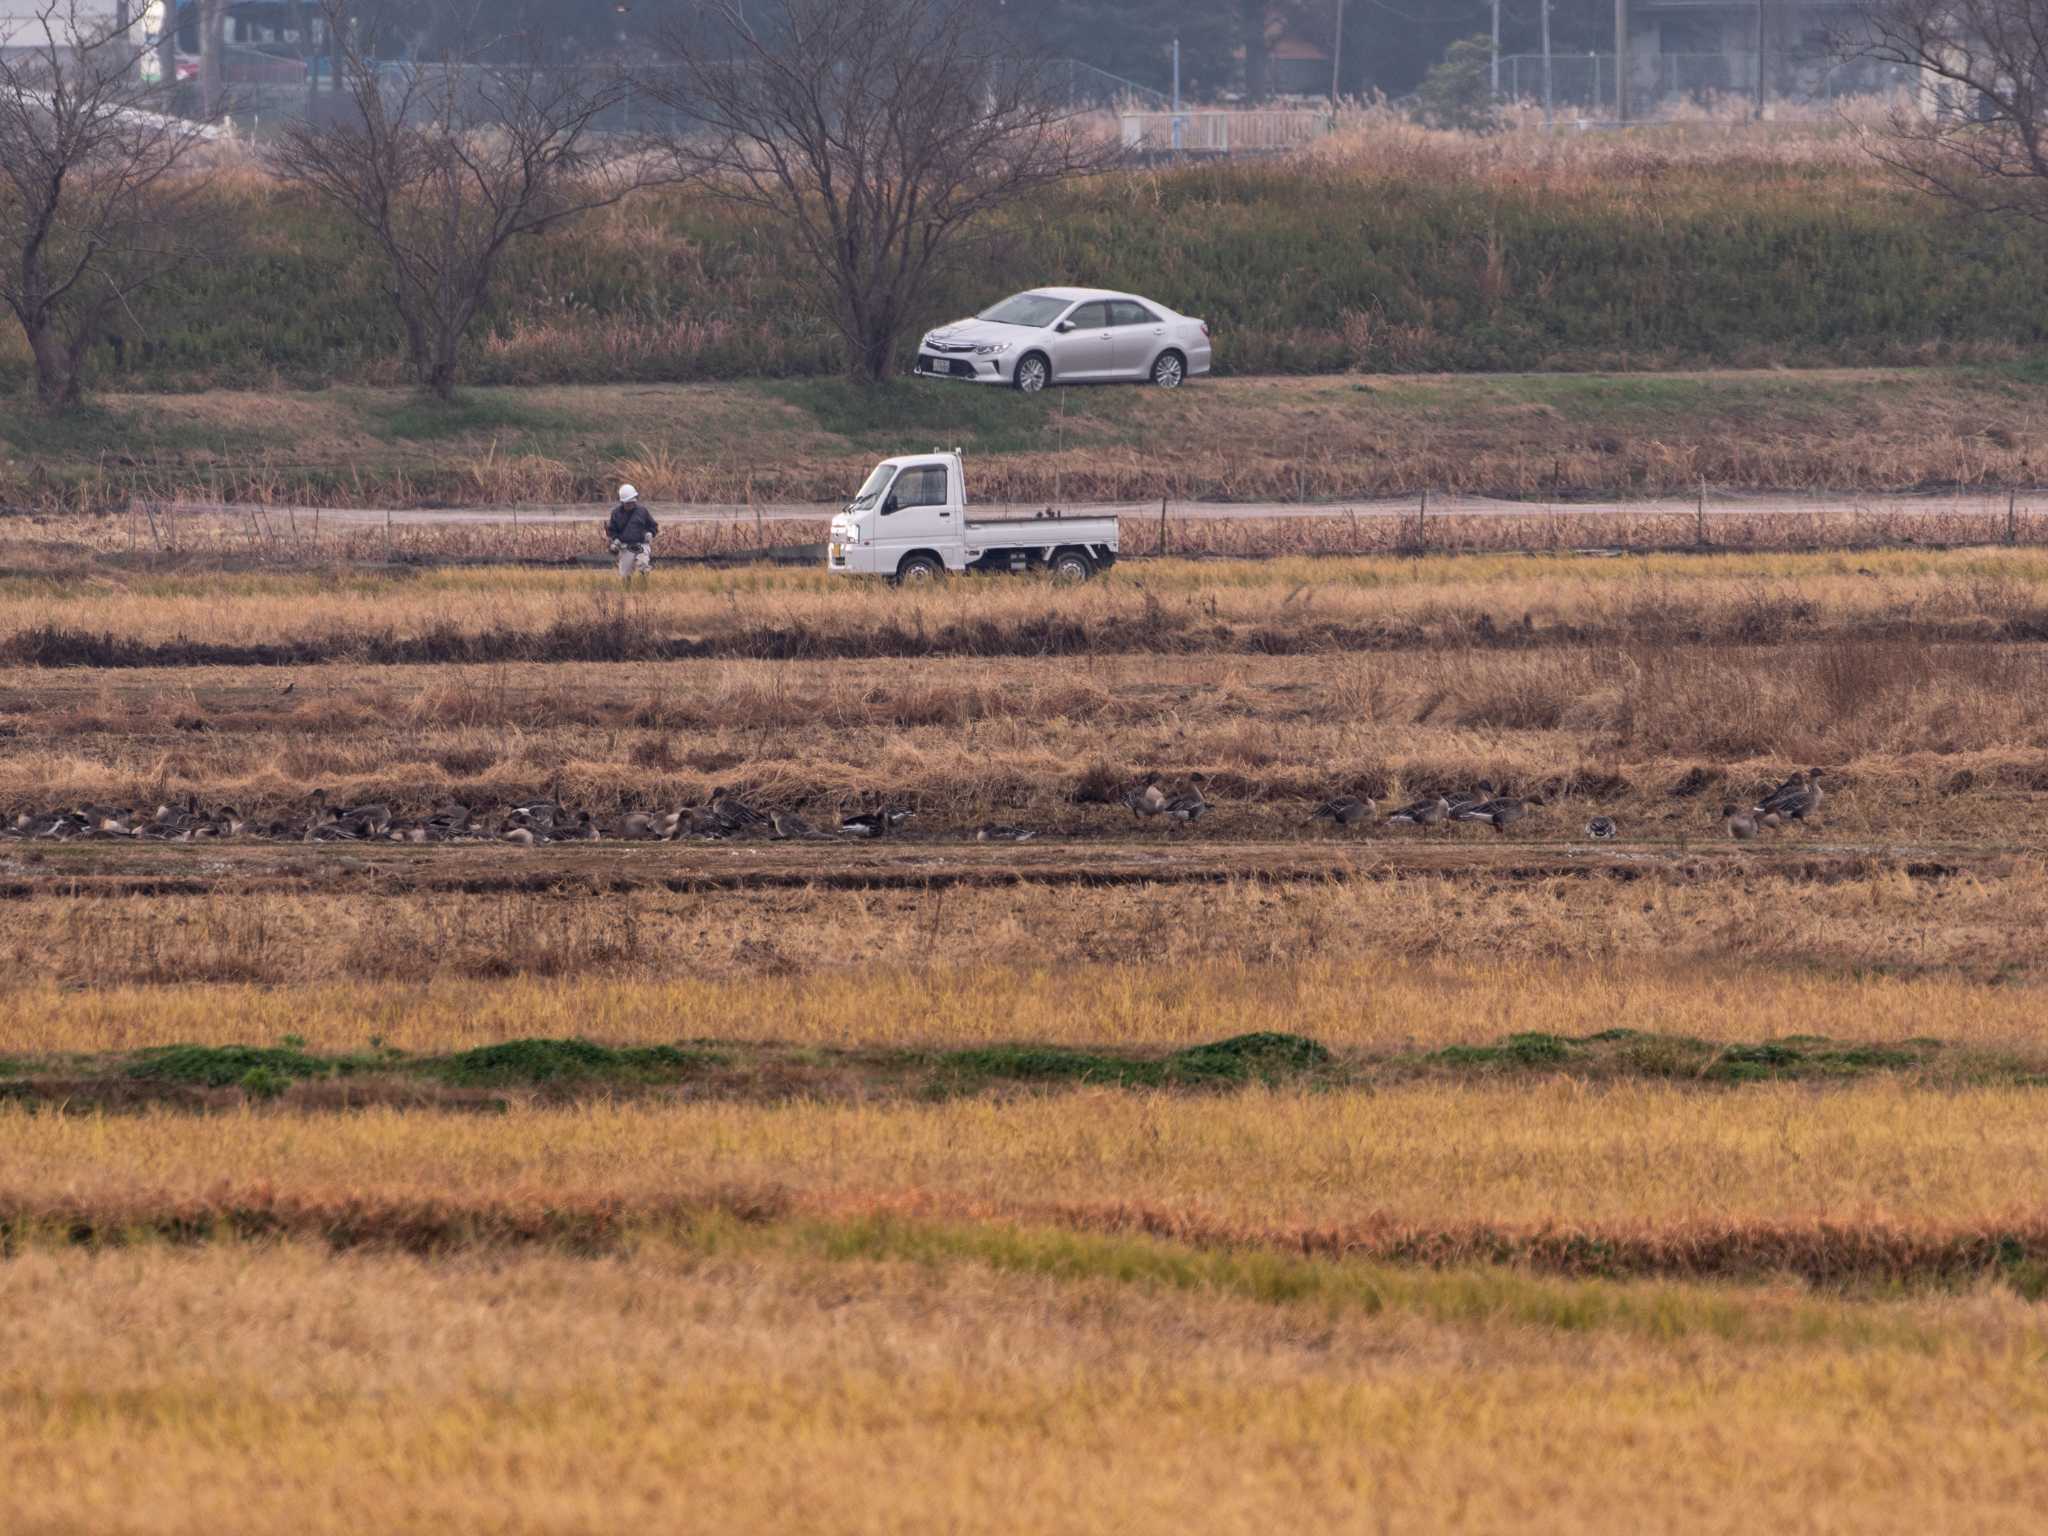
(1630, 1157)
(277, 1390)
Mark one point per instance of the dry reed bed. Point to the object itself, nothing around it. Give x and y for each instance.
(185, 540)
(1363, 962)
(1526, 1155)
(1257, 607)
(276, 1390)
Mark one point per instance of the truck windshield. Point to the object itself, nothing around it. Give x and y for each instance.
(1037, 310)
(871, 491)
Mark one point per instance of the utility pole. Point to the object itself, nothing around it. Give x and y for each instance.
(1759, 60)
(1176, 93)
(1337, 53)
(1544, 7)
(1496, 49)
(1621, 61)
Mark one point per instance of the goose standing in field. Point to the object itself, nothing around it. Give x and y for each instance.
(1147, 799)
(1188, 808)
(1347, 811)
(1741, 825)
(581, 830)
(1794, 800)
(1422, 813)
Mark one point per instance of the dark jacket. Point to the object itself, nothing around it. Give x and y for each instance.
(631, 524)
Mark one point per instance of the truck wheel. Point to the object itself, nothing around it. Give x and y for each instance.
(920, 571)
(1170, 371)
(1033, 373)
(1070, 565)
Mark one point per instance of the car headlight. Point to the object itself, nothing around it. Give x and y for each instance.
(993, 349)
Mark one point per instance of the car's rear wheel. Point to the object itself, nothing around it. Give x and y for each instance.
(1170, 371)
(1033, 373)
(920, 571)
(1071, 565)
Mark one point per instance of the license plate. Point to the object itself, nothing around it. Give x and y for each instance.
(931, 365)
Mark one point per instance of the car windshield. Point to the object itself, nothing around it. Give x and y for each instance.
(871, 491)
(1037, 310)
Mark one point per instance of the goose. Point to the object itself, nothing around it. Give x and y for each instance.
(1500, 813)
(636, 826)
(997, 832)
(584, 830)
(700, 821)
(450, 821)
(787, 824)
(1741, 825)
(1187, 809)
(1423, 813)
(873, 823)
(1601, 828)
(522, 837)
(1796, 799)
(541, 814)
(734, 813)
(1346, 812)
(1465, 800)
(1148, 799)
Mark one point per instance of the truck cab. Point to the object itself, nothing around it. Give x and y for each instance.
(910, 522)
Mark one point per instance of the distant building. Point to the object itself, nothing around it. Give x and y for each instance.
(1703, 47)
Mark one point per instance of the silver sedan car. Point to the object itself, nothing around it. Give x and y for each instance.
(1068, 336)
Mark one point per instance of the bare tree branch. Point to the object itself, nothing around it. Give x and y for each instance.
(442, 167)
(878, 131)
(91, 205)
(1976, 131)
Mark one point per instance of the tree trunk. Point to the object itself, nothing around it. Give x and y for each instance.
(57, 382)
(167, 54)
(213, 18)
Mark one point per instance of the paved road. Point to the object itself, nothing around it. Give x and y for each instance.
(1257, 511)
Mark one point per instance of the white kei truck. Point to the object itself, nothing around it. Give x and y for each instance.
(912, 523)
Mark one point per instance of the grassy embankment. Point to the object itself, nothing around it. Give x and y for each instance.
(1294, 440)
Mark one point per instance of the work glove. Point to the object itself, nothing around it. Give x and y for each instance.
(615, 546)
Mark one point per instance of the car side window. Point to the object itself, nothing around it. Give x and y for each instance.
(1130, 312)
(923, 486)
(1090, 317)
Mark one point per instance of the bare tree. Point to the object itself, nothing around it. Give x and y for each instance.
(442, 167)
(90, 210)
(1975, 132)
(877, 131)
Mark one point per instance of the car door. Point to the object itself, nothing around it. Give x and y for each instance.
(1136, 334)
(1082, 351)
(916, 513)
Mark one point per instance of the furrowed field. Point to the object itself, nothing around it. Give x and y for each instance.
(422, 1109)
(1437, 1177)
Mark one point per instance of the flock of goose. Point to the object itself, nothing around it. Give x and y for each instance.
(726, 815)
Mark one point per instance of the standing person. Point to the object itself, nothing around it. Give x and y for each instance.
(632, 529)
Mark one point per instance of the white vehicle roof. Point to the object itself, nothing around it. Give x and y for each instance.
(1083, 293)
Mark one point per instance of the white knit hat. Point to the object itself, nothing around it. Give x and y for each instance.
(629, 493)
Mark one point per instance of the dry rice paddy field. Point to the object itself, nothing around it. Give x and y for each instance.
(1130, 1177)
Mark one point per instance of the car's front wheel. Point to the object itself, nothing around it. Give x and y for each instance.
(1170, 371)
(1033, 373)
(920, 571)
